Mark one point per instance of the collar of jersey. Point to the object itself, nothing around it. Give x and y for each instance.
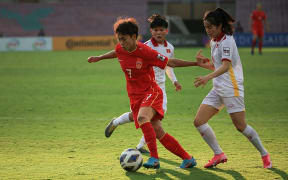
(154, 42)
(219, 37)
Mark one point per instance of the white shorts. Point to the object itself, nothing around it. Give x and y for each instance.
(162, 86)
(232, 104)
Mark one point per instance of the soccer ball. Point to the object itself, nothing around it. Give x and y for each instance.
(131, 160)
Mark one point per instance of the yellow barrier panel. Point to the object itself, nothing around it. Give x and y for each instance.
(84, 42)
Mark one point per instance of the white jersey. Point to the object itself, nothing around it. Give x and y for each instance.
(167, 50)
(230, 83)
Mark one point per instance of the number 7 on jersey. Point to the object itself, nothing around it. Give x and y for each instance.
(129, 71)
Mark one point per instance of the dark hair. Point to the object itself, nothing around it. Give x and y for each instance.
(157, 20)
(126, 26)
(219, 16)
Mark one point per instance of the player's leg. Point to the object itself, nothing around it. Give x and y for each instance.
(260, 45)
(144, 117)
(209, 107)
(206, 112)
(141, 145)
(142, 142)
(260, 37)
(238, 119)
(124, 118)
(254, 40)
(172, 145)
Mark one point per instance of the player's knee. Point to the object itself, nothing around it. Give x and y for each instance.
(240, 128)
(131, 117)
(142, 119)
(196, 122)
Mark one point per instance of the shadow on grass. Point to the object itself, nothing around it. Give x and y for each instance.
(283, 174)
(234, 174)
(177, 173)
(170, 174)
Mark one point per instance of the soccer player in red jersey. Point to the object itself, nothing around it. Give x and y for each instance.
(158, 42)
(137, 60)
(258, 17)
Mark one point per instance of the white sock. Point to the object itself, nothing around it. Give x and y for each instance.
(253, 137)
(210, 138)
(141, 143)
(124, 118)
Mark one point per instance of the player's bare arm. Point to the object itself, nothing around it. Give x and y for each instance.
(180, 63)
(108, 55)
(204, 79)
(170, 73)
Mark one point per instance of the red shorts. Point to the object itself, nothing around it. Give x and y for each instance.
(154, 100)
(258, 32)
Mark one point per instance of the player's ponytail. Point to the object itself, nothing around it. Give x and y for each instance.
(218, 17)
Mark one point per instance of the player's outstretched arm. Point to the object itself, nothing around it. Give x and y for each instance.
(204, 79)
(180, 63)
(108, 55)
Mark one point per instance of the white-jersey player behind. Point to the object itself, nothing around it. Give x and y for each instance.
(158, 28)
(167, 50)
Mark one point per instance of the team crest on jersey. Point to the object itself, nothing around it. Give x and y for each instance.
(168, 50)
(226, 51)
(161, 57)
(138, 63)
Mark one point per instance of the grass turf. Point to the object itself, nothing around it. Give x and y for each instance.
(54, 107)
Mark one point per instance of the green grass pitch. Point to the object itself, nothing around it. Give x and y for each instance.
(54, 107)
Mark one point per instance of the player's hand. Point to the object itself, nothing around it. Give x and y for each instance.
(178, 86)
(201, 81)
(200, 58)
(94, 59)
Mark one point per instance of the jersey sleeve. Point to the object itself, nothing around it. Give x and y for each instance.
(154, 58)
(227, 50)
(172, 52)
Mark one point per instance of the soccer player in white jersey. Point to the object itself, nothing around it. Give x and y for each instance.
(158, 42)
(228, 89)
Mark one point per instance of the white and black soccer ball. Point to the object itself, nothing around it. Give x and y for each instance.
(131, 159)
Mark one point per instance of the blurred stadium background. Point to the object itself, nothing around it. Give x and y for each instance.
(87, 24)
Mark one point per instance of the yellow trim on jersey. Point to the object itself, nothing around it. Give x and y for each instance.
(234, 82)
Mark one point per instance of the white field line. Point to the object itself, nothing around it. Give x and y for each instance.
(44, 118)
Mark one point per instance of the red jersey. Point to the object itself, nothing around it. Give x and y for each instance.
(257, 19)
(138, 68)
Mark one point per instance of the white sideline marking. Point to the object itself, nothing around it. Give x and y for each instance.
(42, 118)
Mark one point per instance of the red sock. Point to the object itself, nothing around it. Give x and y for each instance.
(150, 138)
(260, 46)
(171, 144)
(253, 44)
